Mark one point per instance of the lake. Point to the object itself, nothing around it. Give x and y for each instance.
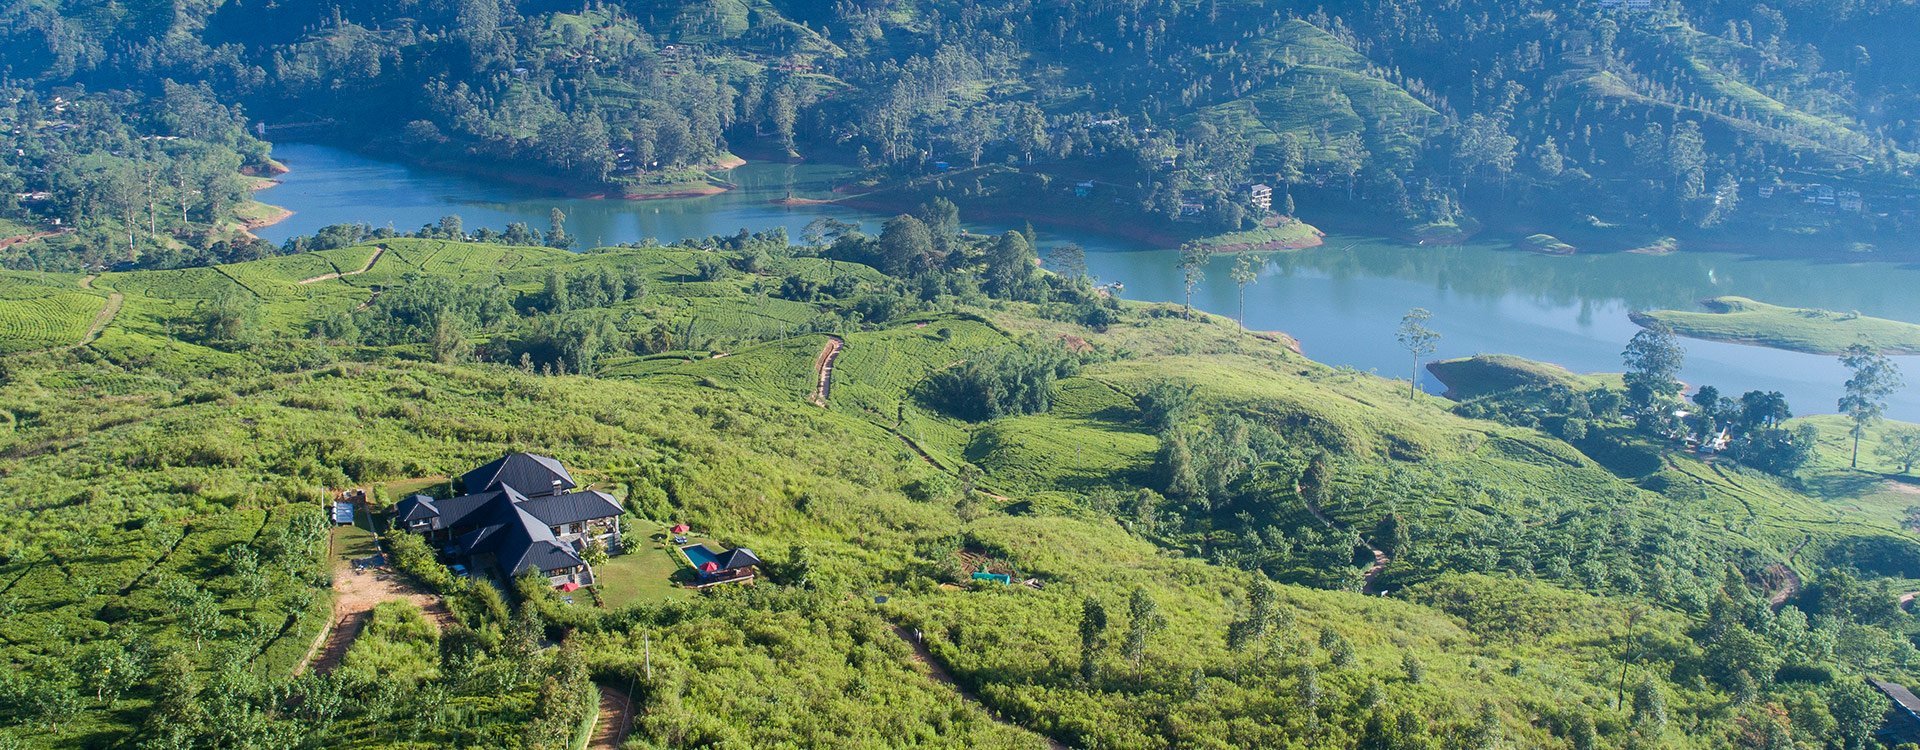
(1343, 300)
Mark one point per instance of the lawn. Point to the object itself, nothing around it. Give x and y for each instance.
(1745, 321)
(353, 542)
(645, 573)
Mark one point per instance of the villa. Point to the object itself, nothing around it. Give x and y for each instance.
(520, 513)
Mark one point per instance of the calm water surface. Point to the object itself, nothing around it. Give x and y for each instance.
(1342, 300)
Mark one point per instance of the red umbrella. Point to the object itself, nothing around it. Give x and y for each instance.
(569, 586)
(681, 528)
(709, 566)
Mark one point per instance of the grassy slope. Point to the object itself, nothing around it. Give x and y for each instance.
(1745, 321)
(1468, 378)
(1327, 86)
(731, 445)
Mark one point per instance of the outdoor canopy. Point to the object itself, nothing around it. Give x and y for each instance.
(681, 528)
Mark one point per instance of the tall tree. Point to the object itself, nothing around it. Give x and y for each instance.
(1193, 265)
(1093, 636)
(1244, 273)
(1901, 447)
(1418, 340)
(1009, 266)
(1653, 359)
(1143, 621)
(1069, 260)
(906, 247)
(1874, 379)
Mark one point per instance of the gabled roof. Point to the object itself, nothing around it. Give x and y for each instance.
(737, 558)
(519, 541)
(529, 472)
(574, 507)
(451, 512)
(527, 544)
(415, 508)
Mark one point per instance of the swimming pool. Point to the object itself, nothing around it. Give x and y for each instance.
(700, 555)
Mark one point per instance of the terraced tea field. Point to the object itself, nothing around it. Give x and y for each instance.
(43, 312)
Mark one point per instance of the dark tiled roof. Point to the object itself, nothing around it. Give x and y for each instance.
(496, 517)
(454, 511)
(572, 507)
(1900, 695)
(530, 473)
(415, 508)
(519, 541)
(737, 558)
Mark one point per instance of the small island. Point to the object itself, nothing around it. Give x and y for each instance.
(1468, 378)
(1744, 321)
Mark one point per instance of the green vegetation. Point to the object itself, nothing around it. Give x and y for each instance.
(1198, 508)
(1744, 321)
(1547, 243)
(1469, 378)
(1286, 235)
(1667, 121)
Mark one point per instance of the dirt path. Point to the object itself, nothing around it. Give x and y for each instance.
(355, 592)
(102, 320)
(26, 238)
(1789, 578)
(1907, 598)
(616, 717)
(1380, 558)
(378, 251)
(823, 371)
(938, 673)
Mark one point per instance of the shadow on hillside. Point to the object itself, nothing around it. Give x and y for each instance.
(1842, 484)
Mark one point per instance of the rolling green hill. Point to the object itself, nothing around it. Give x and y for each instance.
(1521, 577)
(1745, 321)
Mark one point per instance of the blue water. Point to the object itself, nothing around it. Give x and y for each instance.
(1342, 300)
(700, 555)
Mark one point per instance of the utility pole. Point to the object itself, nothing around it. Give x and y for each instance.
(647, 644)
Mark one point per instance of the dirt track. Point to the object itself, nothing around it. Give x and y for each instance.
(355, 593)
(377, 252)
(823, 371)
(616, 717)
(938, 673)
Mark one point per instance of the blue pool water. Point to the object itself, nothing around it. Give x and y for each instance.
(700, 555)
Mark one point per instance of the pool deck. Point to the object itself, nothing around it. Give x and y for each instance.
(706, 554)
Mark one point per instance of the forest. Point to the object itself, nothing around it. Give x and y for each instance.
(1610, 123)
(1229, 544)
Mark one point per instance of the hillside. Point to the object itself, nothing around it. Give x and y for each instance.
(166, 480)
(1711, 124)
(1745, 321)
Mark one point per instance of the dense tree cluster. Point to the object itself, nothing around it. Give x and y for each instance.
(1665, 116)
